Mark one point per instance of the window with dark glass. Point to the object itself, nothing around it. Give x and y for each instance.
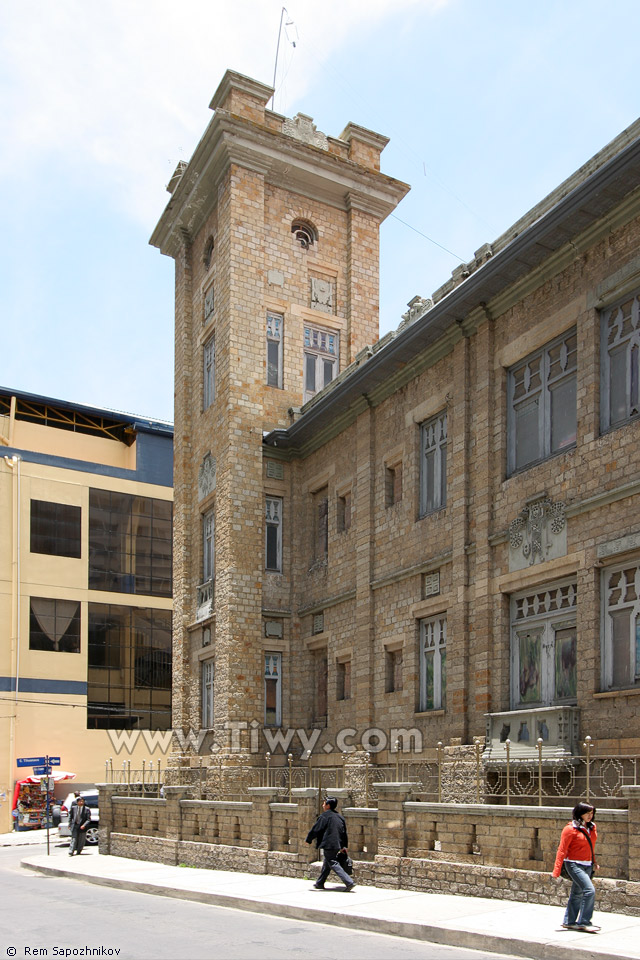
(54, 625)
(55, 529)
(274, 349)
(129, 543)
(272, 689)
(273, 534)
(433, 464)
(129, 668)
(620, 361)
(542, 403)
(343, 680)
(321, 524)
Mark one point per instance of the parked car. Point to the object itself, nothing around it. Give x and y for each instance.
(91, 801)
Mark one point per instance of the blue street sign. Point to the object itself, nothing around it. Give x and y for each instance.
(32, 761)
(54, 761)
(41, 771)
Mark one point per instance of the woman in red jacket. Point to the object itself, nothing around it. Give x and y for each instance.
(576, 852)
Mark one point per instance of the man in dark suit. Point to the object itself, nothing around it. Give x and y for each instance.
(79, 820)
(330, 833)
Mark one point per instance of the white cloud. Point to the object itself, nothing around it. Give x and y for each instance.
(122, 87)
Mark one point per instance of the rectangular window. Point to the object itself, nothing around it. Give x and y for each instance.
(129, 668)
(433, 464)
(320, 359)
(433, 661)
(54, 625)
(393, 671)
(55, 529)
(542, 403)
(209, 373)
(208, 546)
(273, 534)
(620, 362)
(272, 689)
(321, 524)
(275, 323)
(392, 484)
(343, 680)
(344, 513)
(621, 634)
(320, 676)
(543, 646)
(207, 678)
(129, 543)
(209, 305)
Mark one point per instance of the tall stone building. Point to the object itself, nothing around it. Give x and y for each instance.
(274, 229)
(436, 532)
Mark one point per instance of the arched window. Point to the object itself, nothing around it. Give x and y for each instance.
(304, 232)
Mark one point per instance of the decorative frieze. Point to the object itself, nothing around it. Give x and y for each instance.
(206, 476)
(539, 533)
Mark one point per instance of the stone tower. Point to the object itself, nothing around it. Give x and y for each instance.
(274, 230)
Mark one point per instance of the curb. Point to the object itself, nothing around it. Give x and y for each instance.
(316, 914)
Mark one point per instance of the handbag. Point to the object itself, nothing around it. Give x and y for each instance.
(563, 870)
(345, 862)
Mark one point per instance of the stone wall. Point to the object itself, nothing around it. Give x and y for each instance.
(472, 849)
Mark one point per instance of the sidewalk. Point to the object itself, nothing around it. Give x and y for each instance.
(24, 838)
(498, 926)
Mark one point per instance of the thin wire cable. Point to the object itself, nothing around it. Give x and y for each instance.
(430, 239)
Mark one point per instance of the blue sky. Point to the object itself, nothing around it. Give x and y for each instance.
(488, 106)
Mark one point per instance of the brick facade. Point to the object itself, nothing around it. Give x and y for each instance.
(360, 443)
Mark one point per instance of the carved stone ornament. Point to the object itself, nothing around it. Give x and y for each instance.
(417, 307)
(322, 294)
(206, 476)
(539, 533)
(301, 127)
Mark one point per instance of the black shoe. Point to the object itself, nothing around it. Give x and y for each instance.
(318, 886)
(349, 887)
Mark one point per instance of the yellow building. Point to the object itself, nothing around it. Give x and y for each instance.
(85, 589)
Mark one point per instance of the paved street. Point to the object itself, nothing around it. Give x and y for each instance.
(48, 912)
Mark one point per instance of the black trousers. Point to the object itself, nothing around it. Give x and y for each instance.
(330, 863)
(78, 838)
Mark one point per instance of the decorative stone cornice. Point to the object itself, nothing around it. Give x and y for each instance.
(283, 161)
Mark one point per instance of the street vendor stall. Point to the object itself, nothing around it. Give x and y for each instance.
(30, 800)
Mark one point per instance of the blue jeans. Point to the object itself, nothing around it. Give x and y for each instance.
(583, 894)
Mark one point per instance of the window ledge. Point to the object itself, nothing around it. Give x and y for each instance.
(622, 692)
(429, 713)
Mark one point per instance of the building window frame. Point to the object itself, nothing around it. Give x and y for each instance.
(544, 646)
(533, 384)
(433, 658)
(207, 681)
(620, 362)
(54, 625)
(320, 526)
(621, 601)
(208, 372)
(208, 546)
(273, 534)
(433, 464)
(321, 359)
(55, 529)
(344, 512)
(272, 689)
(343, 678)
(275, 339)
(393, 663)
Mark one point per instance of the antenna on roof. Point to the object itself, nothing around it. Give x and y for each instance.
(289, 23)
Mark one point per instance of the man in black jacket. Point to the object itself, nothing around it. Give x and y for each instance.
(330, 833)
(79, 820)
